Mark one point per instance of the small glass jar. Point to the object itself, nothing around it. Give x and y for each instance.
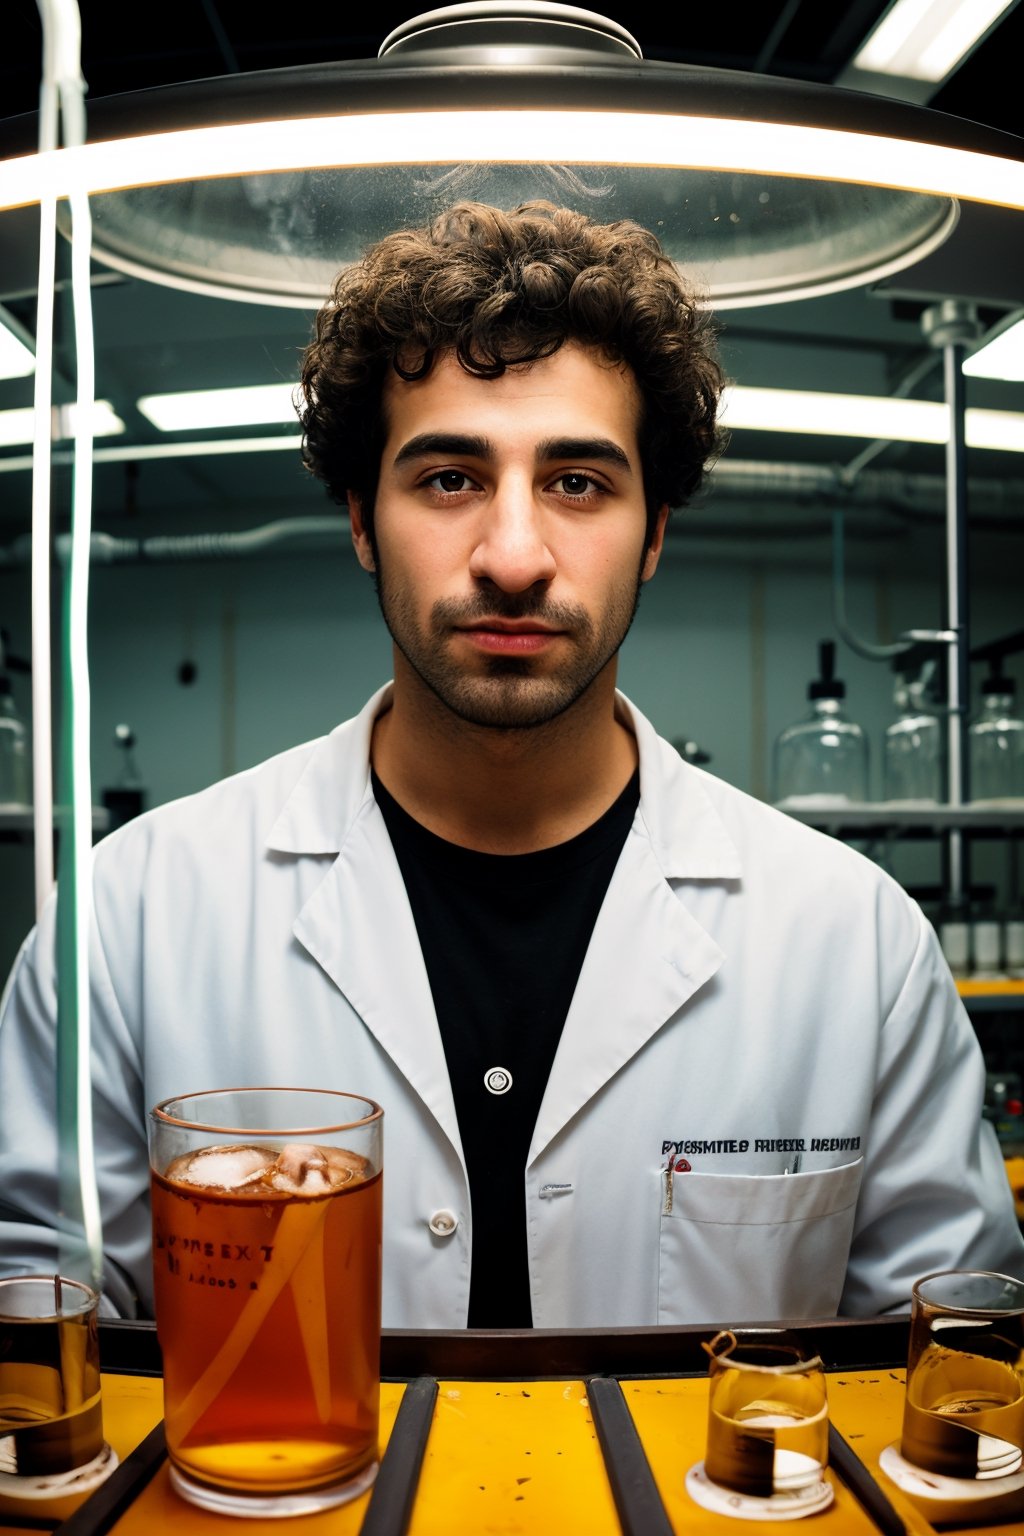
(996, 744)
(822, 759)
(912, 763)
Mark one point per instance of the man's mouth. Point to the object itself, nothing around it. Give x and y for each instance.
(510, 637)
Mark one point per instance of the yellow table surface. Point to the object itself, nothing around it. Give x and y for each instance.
(522, 1459)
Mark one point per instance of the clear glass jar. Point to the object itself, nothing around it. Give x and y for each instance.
(912, 764)
(996, 745)
(823, 758)
(15, 779)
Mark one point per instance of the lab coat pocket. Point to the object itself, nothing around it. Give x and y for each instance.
(741, 1248)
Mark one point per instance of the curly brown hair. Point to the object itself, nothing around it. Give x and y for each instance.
(498, 290)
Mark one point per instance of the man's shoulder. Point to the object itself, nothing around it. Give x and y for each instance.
(752, 817)
(817, 879)
(706, 826)
(765, 832)
(771, 854)
(243, 809)
(242, 802)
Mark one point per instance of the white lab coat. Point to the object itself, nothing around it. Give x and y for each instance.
(758, 1002)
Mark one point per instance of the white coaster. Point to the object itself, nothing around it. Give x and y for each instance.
(955, 1500)
(743, 1506)
(58, 1493)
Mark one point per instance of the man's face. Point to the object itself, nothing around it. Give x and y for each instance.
(509, 532)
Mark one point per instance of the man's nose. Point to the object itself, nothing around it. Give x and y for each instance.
(512, 550)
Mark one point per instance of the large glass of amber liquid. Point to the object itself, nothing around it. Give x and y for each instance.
(267, 1273)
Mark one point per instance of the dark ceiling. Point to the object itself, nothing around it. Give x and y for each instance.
(132, 47)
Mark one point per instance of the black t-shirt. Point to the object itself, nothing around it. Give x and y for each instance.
(503, 939)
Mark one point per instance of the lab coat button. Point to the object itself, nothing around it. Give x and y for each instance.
(443, 1223)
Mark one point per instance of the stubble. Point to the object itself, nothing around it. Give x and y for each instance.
(507, 693)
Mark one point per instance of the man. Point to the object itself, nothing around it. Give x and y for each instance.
(648, 1051)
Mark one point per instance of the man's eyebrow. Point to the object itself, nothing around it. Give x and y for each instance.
(471, 446)
(584, 448)
(448, 444)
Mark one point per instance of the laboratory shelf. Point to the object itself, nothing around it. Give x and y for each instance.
(991, 996)
(16, 821)
(878, 817)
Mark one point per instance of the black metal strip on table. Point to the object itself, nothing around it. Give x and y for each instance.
(394, 1492)
(868, 1493)
(637, 1500)
(539, 1354)
(104, 1507)
(668, 1351)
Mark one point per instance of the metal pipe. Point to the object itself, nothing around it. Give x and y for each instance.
(957, 616)
(950, 325)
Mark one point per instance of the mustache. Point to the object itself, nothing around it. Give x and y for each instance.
(452, 612)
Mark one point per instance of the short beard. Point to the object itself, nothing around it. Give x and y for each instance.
(509, 697)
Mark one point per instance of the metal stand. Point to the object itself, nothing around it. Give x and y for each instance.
(951, 325)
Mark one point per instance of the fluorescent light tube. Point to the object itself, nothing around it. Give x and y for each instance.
(743, 408)
(1000, 358)
(927, 39)
(865, 416)
(798, 410)
(16, 360)
(995, 429)
(191, 410)
(17, 426)
(524, 136)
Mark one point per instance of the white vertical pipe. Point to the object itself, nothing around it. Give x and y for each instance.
(42, 665)
(62, 56)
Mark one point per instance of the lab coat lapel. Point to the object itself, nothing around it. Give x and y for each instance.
(359, 928)
(647, 958)
(357, 924)
(648, 955)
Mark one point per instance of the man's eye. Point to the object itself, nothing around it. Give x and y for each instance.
(449, 481)
(575, 483)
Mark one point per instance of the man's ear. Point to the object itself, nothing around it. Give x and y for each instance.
(360, 538)
(654, 548)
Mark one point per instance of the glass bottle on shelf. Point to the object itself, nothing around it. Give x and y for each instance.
(996, 743)
(822, 760)
(912, 763)
(14, 756)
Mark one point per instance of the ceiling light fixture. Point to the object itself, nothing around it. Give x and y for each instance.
(1002, 354)
(762, 188)
(18, 426)
(927, 39)
(17, 359)
(744, 408)
(875, 417)
(253, 405)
